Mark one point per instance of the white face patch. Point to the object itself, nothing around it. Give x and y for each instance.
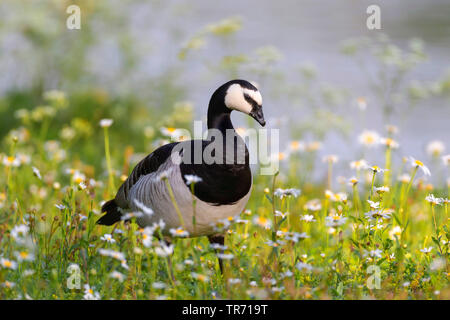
(255, 95)
(234, 98)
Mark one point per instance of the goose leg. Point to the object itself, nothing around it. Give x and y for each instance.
(218, 239)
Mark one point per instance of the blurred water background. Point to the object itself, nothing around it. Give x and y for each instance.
(292, 49)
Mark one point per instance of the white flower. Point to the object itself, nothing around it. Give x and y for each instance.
(340, 196)
(78, 177)
(234, 280)
(37, 173)
(295, 236)
(108, 238)
(391, 129)
(404, 178)
(164, 250)
(395, 232)
(164, 175)
(389, 142)
(419, 164)
(426, 250)
(188, 262)
(173, 133)
(281, 193)
(60, 206)
(147, 235)
(313, 205)
(369, 138)
(381, 189)
(378, 214)
(335, 220)
(90, 294)
(82, 185)
(373, 205)
(24, 255)
(190, 178)
(296, 146)
(275, 244)
(361, 102)
(375, 253)
(200, 277)
(281, 214)
(358, 164)
(308, 218)
(8, 264)
(19, 231)
(433, 200)
(218, 246)
(353, 181)
(105, 123)
(437, 264)
(376, 169)
(159, 285)
(117, 275)
(113, 254)
(446, 160)
(159, 225)
(11, 161)
(262, 222)
(435, 148)
(331, 158)
(179, 232)
(225, 256)
(304, 266)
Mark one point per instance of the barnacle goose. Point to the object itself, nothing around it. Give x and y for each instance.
(225, 185)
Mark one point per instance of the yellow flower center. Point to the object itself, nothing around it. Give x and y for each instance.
(78, 180)
(418, 163)
(295, 145)
(201, 277)
(23, 254)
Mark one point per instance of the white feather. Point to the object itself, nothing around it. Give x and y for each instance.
(255, 95)
(234, 99)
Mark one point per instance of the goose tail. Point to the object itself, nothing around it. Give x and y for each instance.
(112, 215)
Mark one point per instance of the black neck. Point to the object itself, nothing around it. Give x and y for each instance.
(221, 121)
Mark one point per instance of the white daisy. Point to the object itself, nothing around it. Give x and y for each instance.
(105, 123)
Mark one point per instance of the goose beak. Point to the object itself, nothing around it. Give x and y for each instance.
(258, 115)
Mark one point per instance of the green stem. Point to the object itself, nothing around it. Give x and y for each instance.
(174, 202)
(108, 162)
(371, 187)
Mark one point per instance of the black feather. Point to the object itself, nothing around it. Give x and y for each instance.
(112, 214)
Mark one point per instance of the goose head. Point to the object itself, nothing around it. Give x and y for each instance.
(239, 95)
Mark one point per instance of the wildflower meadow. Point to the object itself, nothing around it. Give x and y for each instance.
(333, 222)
